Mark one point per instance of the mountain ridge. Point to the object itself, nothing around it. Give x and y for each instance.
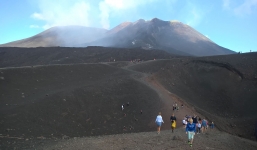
(171, 36)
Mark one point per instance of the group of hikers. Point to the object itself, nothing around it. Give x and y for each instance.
(201, 124)
(191, 124)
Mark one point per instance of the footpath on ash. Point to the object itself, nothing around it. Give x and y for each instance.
(211, 139)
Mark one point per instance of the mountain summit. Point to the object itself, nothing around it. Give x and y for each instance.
(172, 36)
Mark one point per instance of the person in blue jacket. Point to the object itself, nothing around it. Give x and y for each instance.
(190, 131)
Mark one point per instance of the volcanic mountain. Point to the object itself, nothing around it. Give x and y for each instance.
(67, 36)
(171, 36)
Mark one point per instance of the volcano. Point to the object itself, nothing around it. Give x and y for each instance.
(171, 36)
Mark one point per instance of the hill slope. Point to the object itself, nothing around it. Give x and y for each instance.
(167, 35)
(223, 88)
(46, 103)
(171, 36)
(60, 36)
(15, 57)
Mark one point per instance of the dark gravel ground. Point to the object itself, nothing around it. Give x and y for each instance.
(222, 88)
(210, 140)
(56, 106)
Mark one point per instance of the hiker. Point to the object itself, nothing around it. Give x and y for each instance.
(173, 120)
(199, 127)
(159, 122)
(187, 118)
(207, 124)
(182, 105)
(122, 107)
(212, 125)
(127, 103)
(194, 119)
(173, 107)
(184, 122)
(204, 125)
(190, 131)
(141, 111)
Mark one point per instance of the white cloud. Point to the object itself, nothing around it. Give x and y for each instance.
(34, 26)
(226, 4)
(89, 12)
(240, 9)
(246, 8)
(195, 18)
(37, 16)
(194, 14)
(107, 7)
(66, 13)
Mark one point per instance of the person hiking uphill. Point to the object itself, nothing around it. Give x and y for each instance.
(173, 120)
(159, 122)
(190, 131)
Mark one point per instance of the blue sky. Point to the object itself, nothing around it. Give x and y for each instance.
(229, 23)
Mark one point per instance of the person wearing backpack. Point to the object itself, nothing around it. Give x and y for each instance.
(204, 125)
(173, 120)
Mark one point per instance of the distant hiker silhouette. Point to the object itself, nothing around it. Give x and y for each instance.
(212, 125)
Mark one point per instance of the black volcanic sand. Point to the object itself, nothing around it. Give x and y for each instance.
(40, 105)
(16, 57)
(73, 100)
(222, 88)
(212, 139)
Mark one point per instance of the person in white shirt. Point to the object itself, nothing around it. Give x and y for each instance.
(159, 122)
(199, 126)
(184, 122)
